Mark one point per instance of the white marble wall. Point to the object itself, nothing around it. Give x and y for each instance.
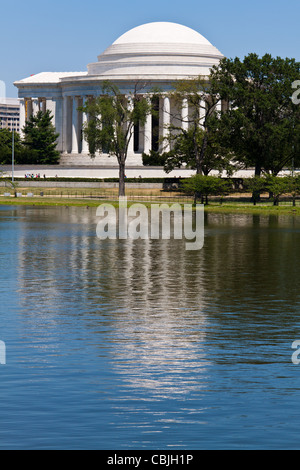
(69, 121)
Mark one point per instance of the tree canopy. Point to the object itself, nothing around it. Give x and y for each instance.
(264, 122)
(40, 138)
(110, 127)
(201, 143)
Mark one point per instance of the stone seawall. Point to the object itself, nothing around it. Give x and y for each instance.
(97, 172)
(76, 184)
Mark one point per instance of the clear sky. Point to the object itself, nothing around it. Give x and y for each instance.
(66, 35)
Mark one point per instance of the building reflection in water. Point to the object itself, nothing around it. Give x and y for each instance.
(152, 310)
(140, 301)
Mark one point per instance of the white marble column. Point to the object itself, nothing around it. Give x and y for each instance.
(59, 122)
(65, 123)
(35, 106)
(85, 146)
(75, 126)
(55, 106)
(22, 116)
(148, 133)
(28, 109)
(44, 106)
(166, 118)
(219, 106)
(202, 112)
(50, 106)
(185, 114)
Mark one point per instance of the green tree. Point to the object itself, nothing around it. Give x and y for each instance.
(262, 120)
(6, 146)
(201, 146)
(203, 186)
(294, 187)
(22, 154)
(154, 158)
(112, 118)
(40, 139)
(278, 186)
(188, 146)
(257, 185)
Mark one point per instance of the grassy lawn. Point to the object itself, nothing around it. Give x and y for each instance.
(228, 208)
(86, 196)
(93, 197)
(243, 208)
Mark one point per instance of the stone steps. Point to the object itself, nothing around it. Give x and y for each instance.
(99, 160)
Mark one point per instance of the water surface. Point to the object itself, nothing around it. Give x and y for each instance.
(144, 345)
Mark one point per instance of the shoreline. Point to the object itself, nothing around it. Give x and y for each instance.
(225, 208)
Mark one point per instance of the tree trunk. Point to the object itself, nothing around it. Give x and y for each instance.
(200, 157)
(198, 163)
(258, 170)
(198, 196)
(256, 194)
(121, 178)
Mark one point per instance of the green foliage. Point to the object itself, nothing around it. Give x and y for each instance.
(203, 186)
(257, 185)
(112, 117)
(277, 186)
(201, 147)
(188, 146)
(40, 140)
(22, 155)
(294, 184)
(112, 120)
(154, 158)
(6, 146)
(263, 122)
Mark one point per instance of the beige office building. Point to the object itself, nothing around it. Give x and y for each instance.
(10, 114)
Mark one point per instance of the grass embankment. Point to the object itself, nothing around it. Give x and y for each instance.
(93, 197)
(87, 196)
(230, 208)
(264, 208)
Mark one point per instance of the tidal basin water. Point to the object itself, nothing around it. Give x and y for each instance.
(144, 345)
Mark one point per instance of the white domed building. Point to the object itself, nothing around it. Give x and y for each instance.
(154, 55)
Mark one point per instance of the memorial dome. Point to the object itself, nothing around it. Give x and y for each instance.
(162, 32)
(157, 51)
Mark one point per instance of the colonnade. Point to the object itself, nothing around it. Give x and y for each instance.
(31, 106)
(69, 122)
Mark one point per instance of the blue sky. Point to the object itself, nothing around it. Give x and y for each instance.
(66, 35)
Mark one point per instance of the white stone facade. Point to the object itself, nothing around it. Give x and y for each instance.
(154, 55)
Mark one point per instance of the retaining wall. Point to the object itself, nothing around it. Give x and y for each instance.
(76, 184)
